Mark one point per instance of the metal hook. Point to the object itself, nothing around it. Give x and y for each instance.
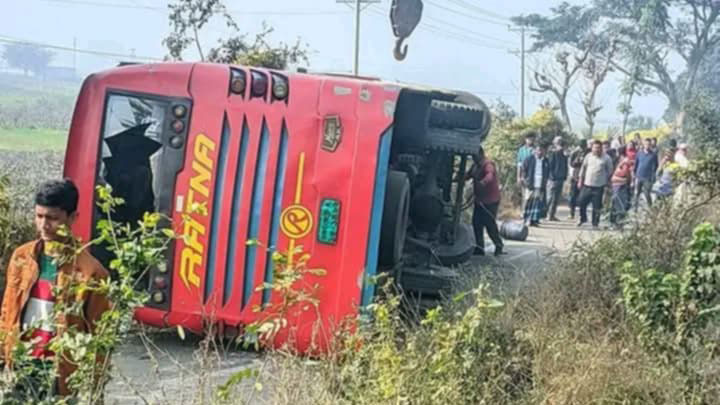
(400, 51)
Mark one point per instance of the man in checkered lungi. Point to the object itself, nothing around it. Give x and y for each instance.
(535, 173)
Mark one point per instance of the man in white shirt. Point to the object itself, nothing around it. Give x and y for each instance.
(595, 175)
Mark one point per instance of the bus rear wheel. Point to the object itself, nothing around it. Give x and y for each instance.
(395, 218)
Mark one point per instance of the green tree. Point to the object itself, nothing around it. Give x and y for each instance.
(189, 17)
(637, 122)
(702, 124)
(28, 57)
(654, 34)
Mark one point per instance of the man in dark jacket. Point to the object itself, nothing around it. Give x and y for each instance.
(558, 174)
(535, 174)
(487, 201)
(646, 164)
(576, 161)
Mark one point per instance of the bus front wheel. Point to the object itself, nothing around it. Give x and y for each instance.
(395, 218)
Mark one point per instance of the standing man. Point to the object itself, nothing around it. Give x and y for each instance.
(610, 151)
(620, 183)
(576, 160)
(654, 144)
(523, 153)
(39, 269)
(487, 201)
(535, 174)
(558, 174)
(646, 164)
(638, 139)
(595, 174)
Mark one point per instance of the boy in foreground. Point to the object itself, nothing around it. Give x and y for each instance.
(36, 270)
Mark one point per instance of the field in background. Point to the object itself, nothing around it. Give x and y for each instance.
(33, 139)
(34, 113)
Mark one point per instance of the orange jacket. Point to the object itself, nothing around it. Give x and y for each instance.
(23, 271)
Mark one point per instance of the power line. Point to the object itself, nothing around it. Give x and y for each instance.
(465, 14)
(138, 6)
(469, 6)
(16, 41)
(475, 33)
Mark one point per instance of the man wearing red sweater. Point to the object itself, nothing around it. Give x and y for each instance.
(487, 202)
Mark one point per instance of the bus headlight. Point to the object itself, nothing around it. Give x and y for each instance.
(179, 111)
(280, 88)
(158, 297)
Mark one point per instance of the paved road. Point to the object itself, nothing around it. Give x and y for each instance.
(171, 375)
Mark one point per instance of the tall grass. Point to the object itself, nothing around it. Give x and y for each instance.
(561, 336)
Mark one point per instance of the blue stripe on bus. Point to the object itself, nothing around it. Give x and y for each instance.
(231, 266)
(217, 207)
(381, 174)
(255, 213)
(277, 210)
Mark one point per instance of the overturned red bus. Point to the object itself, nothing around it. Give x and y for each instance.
(358, 172)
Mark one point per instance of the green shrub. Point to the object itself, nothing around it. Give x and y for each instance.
(15, 228)
(508, 135)
(673, 309)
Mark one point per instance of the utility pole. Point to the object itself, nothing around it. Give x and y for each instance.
(356, 59)
(75, 56)
(522, 72)
(522, 53)
(358, 7)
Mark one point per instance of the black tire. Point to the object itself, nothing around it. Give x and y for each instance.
(445, 114)
(395, 218)
(430, 282)
(459, 252)
(450, 141)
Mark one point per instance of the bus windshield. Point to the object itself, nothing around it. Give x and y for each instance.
(131, 152)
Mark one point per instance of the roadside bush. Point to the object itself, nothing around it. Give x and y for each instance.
(25, 171)
(457, 353)
(575, 332)
(508, 135)
(673, 309)
(15, 228)
(136, 250)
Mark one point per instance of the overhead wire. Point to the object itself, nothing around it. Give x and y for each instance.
(138, 6)
(18, 41)
(467, 31)
(477, 9)
(465, 14)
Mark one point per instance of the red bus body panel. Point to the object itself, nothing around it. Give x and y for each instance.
(274, 149)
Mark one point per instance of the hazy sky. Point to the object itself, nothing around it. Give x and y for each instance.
(457, 47)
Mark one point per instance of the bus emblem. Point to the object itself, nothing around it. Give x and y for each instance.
(296, 221)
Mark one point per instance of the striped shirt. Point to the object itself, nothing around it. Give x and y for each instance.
(38, 312)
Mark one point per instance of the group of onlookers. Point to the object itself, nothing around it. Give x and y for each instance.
(599, 173)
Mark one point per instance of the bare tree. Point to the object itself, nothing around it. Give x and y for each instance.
(595, 70)
(559, 77)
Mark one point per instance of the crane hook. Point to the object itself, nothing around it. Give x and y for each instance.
(400, 51)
